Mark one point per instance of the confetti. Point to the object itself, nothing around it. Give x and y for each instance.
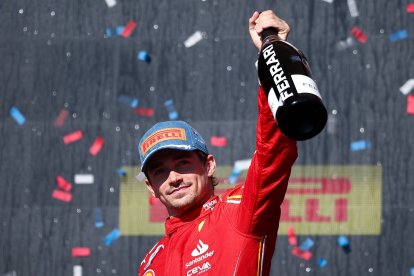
(218, 141)
(410, 8)
(293, 241)
(328, 1)
(62, 196)
(60, 120)
(306, 244)
(147, 112)
(172, 113)
(359, 34)
(17, 115)
(96, 146)
(77, 270)
(306, 255)
(119, 30)
(144, 56)
(400, 35)
(110, 3)
(193, 39)
(63, 184)
(108, 32)
(81, 252)
(98, 218)
(407, 87)
(344, 44)
(72, 137)
(344, 244)
(132, 102)
(121, 172)
(360, 145)
(353, 10)
(322, 262)
(129, 28)
(112, 236)
(410, 104)
(84, 179)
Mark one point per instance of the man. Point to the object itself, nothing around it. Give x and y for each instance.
(205, 234)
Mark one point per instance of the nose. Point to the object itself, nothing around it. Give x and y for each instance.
(175, 178)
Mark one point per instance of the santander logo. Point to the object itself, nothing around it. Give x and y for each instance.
(201, 248)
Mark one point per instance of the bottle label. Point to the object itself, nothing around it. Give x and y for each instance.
(274, 103)
(304, 84)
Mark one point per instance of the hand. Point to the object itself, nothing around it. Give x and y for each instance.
(260, 21)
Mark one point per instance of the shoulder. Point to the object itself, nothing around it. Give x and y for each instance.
(233, 195)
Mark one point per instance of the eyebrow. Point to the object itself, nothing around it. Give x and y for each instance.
(155, 164)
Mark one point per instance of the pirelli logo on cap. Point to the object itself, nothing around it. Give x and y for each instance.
(163, 135)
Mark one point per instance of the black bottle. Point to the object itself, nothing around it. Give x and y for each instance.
(292, 94)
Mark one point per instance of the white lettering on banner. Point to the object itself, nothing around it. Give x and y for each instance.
(199, 269)
(277, 73)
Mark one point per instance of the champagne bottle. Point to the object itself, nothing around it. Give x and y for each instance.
(293, 95)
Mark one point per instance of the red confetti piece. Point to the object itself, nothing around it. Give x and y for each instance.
(306, 255)
(217, 141)
(62, 196)
(96, 146)
(63, 184)
(410, 8)
(148, 112)
(72, 137)
(60, 120)
(129, 28)
(359, 34)
(292, 236)
(81, 252)
(410, 104)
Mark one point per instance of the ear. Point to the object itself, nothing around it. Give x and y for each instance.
(150, 188)
(211, 165)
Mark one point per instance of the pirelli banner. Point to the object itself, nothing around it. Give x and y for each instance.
(320, 200)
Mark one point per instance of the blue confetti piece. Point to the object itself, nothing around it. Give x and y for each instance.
(412, 271)
(306, 244)
(113, 235)
(400, 35)
(234, 175)
(342, 241)
(17, 115)
(322, 262)
(172, 113)
(360, 145)
(132, 102)
(120, 30)
(144, 56)
(98, 218)
(121, 172)
(108, 32)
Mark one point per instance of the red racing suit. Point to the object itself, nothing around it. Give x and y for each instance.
(235, 234)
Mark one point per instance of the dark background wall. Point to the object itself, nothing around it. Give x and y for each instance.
(55, 54)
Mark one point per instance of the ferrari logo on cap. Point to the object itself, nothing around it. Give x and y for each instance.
(163, 135)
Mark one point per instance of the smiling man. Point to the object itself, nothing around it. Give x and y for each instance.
(234, 234)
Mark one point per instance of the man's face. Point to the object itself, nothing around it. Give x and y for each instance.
(180, 179)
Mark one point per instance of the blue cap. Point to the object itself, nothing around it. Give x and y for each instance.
(169, 135)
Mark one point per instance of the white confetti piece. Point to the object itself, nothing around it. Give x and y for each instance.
(328, 1)
(77, 270)
(407, 87)
(193, 39)
(84, 179)
(353, 10)
(110, 3)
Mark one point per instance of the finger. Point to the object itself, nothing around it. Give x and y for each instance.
(252, 20)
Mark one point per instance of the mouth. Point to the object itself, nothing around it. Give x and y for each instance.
(181, 188)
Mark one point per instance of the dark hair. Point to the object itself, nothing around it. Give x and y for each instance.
(203, 158)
